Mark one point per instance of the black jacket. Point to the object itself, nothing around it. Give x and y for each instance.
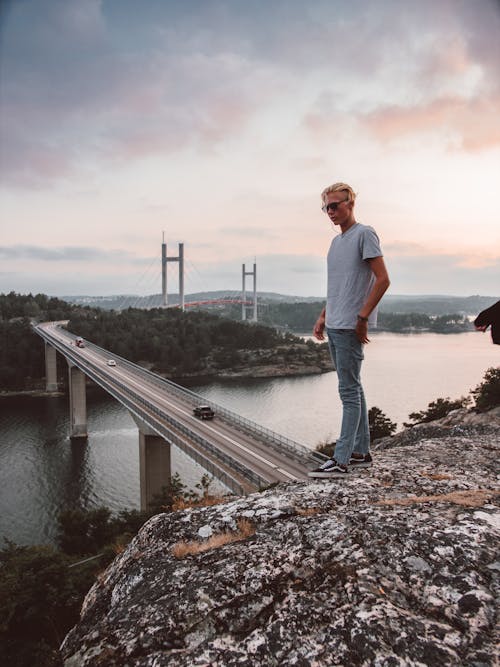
(490, 316)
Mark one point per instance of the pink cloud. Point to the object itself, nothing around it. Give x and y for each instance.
(474, 122)
(457, 257)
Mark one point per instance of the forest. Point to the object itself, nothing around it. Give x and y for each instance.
(22, 362)
(174, 343)
(180, 344)
(300, 318)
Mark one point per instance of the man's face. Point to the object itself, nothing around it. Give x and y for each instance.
(342, 213)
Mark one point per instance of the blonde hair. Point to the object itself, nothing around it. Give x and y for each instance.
(339, 187)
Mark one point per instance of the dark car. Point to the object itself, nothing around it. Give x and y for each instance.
(203, 412)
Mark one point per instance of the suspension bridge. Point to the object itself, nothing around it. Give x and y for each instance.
(246, 297)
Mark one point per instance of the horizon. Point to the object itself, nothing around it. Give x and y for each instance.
(309, 296)
(219, 122)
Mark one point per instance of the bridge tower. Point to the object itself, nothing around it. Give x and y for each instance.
(243, 293)
(164, 260)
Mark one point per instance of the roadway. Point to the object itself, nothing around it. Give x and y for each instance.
(250, 451)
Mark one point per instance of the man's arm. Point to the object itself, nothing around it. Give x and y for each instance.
(319, 327)
(378, 290)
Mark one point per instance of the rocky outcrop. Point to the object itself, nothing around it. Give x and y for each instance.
(289, 360)
(397, 565)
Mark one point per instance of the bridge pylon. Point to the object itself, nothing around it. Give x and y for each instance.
(245, 273)
(155, 467)
(164, 260)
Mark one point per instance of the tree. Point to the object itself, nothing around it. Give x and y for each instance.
(487, 394)
(82, 533)
(380, 425)
(437, 410)
(40, 600)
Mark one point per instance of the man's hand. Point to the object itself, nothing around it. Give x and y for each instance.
(319, 327)
(362, 331)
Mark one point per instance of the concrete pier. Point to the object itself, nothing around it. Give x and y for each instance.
(50, 368)
(154, 464)
(77, 403)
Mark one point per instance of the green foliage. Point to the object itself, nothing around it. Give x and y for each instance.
(437, 410)
(41, 589)
(452, 323)
(176, 343)
(434, 305)
(401, 322)
(39, 307)
(298, 317)
(487, 394)
(380, 425)
(326, 448)
(82, 533)
(40, 600)
(85, 532)
(21, 354)
(164, 501)
(22, 361)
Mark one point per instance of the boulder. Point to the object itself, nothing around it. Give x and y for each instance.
(395, 566)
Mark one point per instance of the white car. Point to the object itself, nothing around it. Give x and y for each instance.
(111, 362)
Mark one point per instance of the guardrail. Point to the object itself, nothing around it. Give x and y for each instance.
(159, 416)
(278, 442)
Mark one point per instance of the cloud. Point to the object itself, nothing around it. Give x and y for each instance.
(79, 94)
(472, 258)
(417, 269)
(67, 254)
(100, 82)
(250, 231)
(452, 116)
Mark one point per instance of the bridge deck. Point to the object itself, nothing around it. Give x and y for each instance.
(253, 456)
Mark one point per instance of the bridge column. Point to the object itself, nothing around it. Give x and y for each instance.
(50, 368)
(77, 403)
(154, 464)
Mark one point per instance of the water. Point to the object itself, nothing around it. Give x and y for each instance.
(42, 472)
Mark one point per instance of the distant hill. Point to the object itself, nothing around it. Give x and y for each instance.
(429, 304)
(436, 304)
(123, 301)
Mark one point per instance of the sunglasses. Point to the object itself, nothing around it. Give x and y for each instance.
(333, 206)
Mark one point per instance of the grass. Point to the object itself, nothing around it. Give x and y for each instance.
(183, 549)
(472, 498)
(205, 501)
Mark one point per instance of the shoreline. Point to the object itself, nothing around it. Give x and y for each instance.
(263, 372)
(30, 393)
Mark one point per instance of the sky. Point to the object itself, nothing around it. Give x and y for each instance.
(219, 123)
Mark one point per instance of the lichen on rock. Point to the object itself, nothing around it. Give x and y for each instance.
(384, 568)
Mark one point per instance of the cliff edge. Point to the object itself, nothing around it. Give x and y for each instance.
(397, 565)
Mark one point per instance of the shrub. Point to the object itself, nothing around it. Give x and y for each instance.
(487, 394)
(380, 425)
(326, 448)
(437, 410)
(40, 599)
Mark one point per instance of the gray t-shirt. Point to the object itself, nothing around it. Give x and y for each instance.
(350, 277)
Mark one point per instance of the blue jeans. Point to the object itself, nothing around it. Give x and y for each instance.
(347, 355)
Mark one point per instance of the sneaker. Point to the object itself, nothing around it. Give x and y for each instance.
(361, 460)
(329, 468)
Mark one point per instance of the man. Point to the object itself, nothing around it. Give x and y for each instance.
(490, 317)
(357, 280)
